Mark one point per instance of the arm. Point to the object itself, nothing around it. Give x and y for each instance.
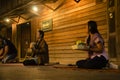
(99, 47)
(42, 48)
(1, 51)
(5, 52)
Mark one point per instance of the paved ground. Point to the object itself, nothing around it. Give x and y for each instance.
(20, 72)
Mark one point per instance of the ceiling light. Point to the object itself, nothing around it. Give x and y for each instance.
(77, 1)
(7, 20)
(34, 8)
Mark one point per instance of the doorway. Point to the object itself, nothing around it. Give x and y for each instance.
(23, 38)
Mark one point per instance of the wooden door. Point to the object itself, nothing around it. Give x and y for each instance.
(24, 38)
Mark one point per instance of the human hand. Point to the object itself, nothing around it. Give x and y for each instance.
(1, 57)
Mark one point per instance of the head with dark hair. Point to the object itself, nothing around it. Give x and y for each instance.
(92, 27)
(41, 33)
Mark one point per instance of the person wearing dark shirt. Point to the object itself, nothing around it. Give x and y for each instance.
(40, 51)
(8, 51)
(41, 48)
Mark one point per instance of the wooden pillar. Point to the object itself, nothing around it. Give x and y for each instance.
(118, 28)
(14, 38)
(112, 29)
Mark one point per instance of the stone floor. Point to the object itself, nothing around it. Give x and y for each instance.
(17, 71)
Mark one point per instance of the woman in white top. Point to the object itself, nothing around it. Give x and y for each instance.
(98, 57)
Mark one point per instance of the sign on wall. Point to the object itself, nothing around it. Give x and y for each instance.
(47, 25)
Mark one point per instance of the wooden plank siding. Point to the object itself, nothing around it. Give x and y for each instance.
(69, 25)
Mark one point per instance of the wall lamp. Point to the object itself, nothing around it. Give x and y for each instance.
(77, 1)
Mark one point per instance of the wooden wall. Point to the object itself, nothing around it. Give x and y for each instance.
(69, 25)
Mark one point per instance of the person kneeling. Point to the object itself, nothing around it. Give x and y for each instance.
(39, 51)
(8, 51)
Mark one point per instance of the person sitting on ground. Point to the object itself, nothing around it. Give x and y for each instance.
(8, 51)
(29, 52)
(40, 51)
(97, 56)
